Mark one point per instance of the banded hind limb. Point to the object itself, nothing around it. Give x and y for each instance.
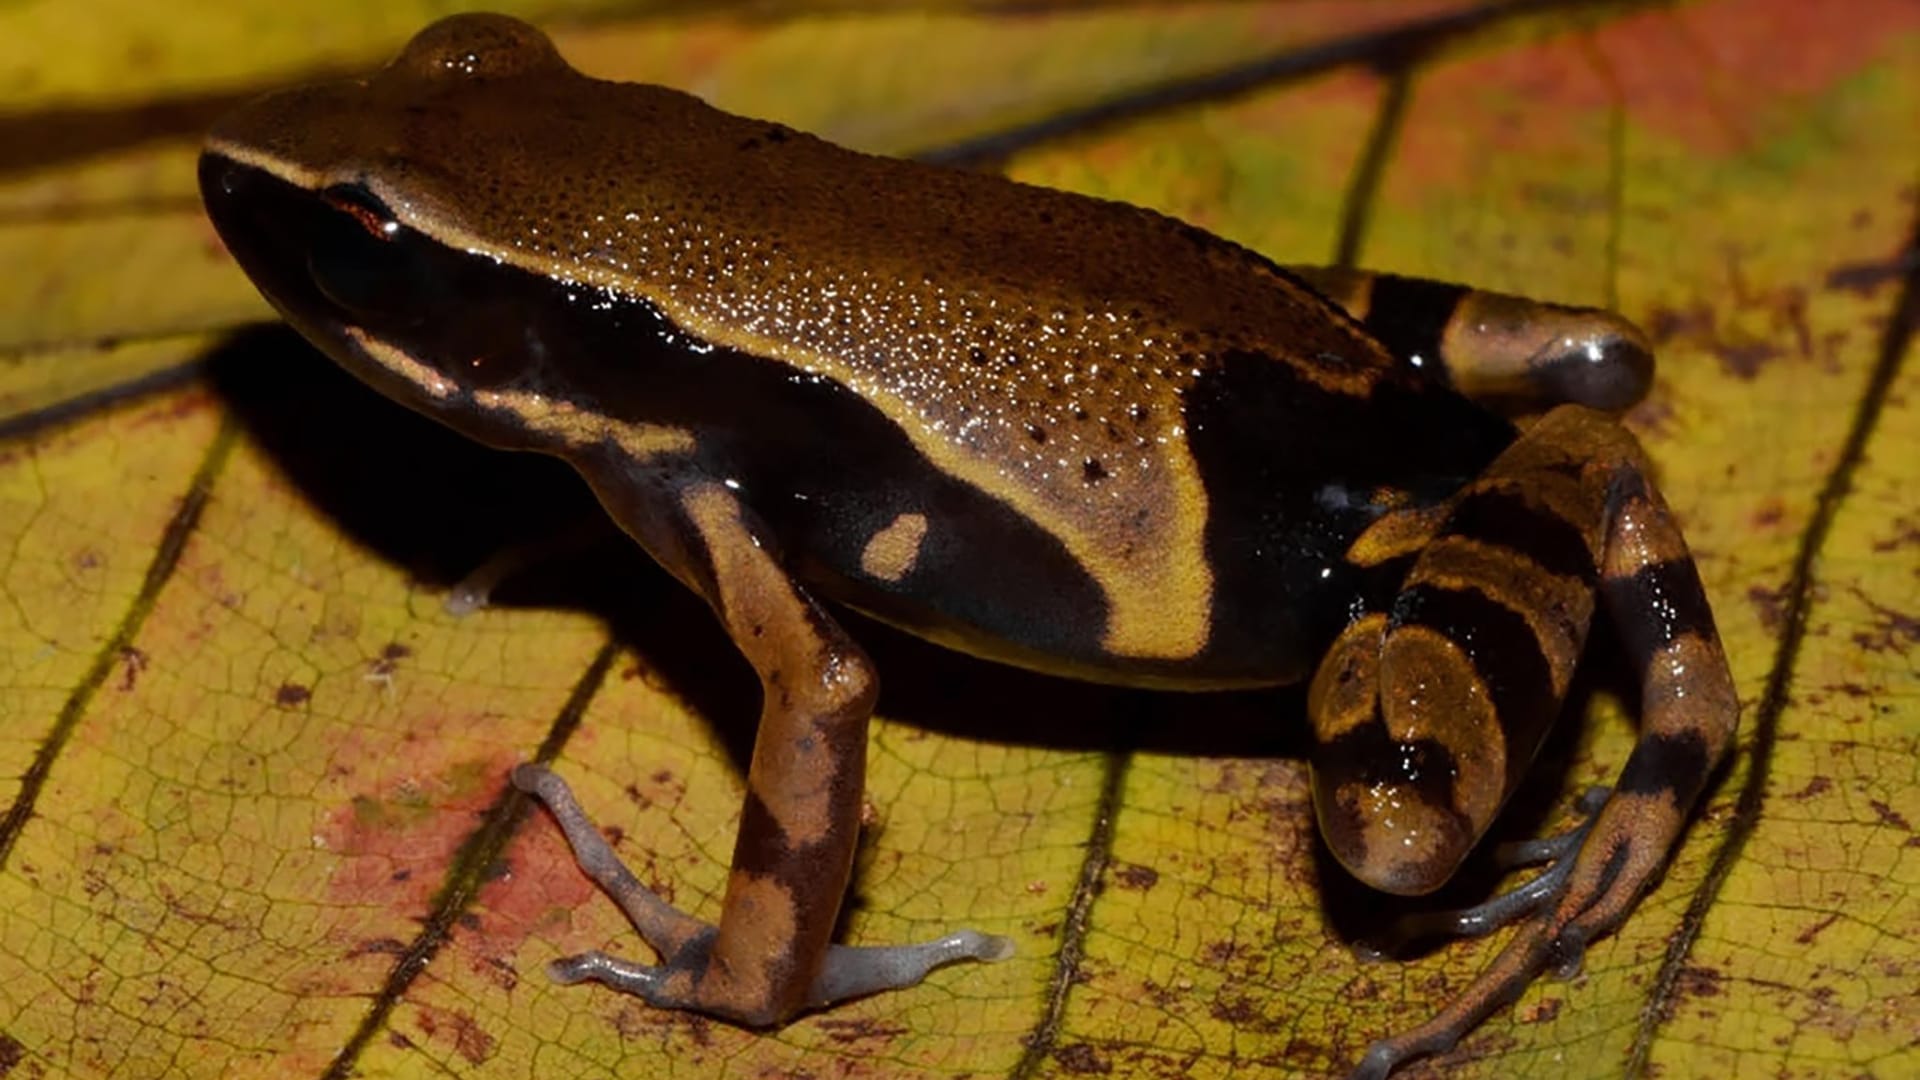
(1427, 714)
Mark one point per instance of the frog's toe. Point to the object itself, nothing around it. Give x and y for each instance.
(641, 980)
(855, 971)
(1555, 848)
(1558, 851)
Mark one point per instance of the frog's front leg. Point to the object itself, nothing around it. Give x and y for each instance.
(1427, 715)
(769, 956)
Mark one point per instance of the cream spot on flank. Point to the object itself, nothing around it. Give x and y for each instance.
(891, 553)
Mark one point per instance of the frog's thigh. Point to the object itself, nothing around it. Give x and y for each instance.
(1507, 352)
(1428, 715)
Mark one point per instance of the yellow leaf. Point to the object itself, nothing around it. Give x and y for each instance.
(252, 809)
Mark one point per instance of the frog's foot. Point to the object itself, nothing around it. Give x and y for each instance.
(1618, 853)
(1557, 852)
(685, 943)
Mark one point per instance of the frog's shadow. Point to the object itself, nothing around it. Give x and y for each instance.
(439, 505)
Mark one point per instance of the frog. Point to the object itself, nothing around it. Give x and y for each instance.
(1041, 428)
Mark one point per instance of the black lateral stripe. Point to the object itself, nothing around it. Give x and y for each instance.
(1409, 315)
(1506, 520)
(1674, 764)
(1657, 605)
(1504, 652)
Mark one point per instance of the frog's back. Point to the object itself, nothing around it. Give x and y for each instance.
(1200, 434)
(1115, 382)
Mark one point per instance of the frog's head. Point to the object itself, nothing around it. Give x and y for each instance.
(414, 226)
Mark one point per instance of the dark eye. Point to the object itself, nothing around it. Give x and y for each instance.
(363, 206)
(358, 260)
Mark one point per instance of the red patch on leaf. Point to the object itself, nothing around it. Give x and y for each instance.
(397, 836)
(1709, 75)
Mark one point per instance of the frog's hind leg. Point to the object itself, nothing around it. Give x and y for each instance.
(770, 954)
(1427, 715)
(1514, 355)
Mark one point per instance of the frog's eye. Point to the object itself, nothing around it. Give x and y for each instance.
(357, 260)
(363, 206)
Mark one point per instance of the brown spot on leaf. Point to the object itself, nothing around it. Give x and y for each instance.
(389, 661)
(291, 695)
(1665, 324)
(1083, 1060)
(469, 1039)
(1746, 358)
(1805, 937)
(498, 972)
(1163, 997)
(1237, 1011)
(11, 1053)
(393, 844)
(1699, 981)
(1862, 278)
(1770, 604)
(1218, 953)
(1136, 877)
(1893, 631)
(860, 1030)
(1906, 533)
(1545, 1011)
(1889, 816)
(136, 665)
(1817, 786)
